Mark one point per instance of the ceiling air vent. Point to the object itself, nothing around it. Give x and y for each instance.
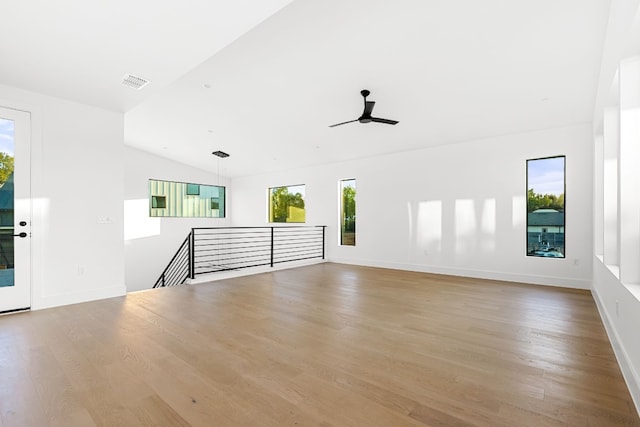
(220, 154)
(134, 82)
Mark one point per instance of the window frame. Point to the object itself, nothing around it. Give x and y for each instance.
(341, 211)
(270, 215)
(564, 213)
(169, 212)
(155, 199)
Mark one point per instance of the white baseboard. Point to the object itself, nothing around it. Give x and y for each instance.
(631, 377)
(40, 303)
(480, 274)
(212, 277)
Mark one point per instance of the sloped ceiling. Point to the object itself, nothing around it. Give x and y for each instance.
(80, 50)
(264, 80)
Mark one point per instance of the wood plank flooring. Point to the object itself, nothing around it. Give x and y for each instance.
(323, 345)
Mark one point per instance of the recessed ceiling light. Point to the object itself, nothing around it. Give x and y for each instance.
(220, 154)
(207, 86)
(210, 130)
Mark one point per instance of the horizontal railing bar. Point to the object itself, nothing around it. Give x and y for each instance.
(214, 243)
(231, 261)
(230, 254)
(220, 245)
(276, 227)
(204, 260)
(210, 237)
(229, 269)
(283, 237)
(243, 239)
(235, 233)
(201, 260)
(235, 263)
(280, 248)
(231, 236)
(214, 252)
(213, 255)
(297, 259)
(292, 256)
(296, 242)
(290, 232)
(283, 253)
(215, 249)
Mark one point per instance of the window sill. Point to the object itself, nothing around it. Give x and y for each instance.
(614, 269)
(634, 289)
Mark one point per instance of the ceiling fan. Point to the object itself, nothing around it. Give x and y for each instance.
(366, 114)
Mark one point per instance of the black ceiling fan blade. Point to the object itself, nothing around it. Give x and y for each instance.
(368, 107)
(343, 123)
(387, 121)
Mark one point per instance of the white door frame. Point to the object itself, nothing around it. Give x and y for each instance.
(19, 296)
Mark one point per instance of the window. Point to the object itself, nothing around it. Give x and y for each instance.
(193, 189)
(545, 207)
(348, 212)
(181, 199)
(286, 204)
(158, 202)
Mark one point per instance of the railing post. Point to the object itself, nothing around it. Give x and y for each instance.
(323, 227)
(271, 246)
(163, 285)
(192, 255)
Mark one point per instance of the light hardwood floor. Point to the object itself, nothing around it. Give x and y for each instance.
(323, 345)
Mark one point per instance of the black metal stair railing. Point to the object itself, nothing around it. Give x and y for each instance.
(178, 269)
(217, 249)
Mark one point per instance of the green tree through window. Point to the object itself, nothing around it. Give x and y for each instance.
(286, 204)
(348, 212)
(6, 167)
(537, 201)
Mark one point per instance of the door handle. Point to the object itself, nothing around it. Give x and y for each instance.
(23, 234)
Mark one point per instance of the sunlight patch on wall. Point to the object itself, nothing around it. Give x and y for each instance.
(518, 212)
(488, 226)
(137, 223)
(429, 227)
(410, 217)
(466, 227)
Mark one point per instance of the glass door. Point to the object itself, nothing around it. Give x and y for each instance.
(15, 210)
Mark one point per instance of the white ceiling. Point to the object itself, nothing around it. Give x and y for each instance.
(279, 72)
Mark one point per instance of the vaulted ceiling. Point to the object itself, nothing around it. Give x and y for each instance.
(263, 79)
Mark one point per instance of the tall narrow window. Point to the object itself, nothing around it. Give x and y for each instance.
(545, 207)
(348, 212)
(286, 204)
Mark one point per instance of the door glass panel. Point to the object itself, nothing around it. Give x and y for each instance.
(7, 132)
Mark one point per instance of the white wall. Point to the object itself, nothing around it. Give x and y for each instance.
(616, 124)
(77, 179)
(456, 209)
(619, 306)
(150, 243)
